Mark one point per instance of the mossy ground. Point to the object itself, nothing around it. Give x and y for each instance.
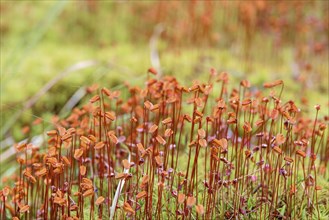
(39, 41)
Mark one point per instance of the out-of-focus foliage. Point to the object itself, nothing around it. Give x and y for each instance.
(265, 40)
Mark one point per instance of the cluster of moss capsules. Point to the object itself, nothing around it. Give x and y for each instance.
(166, 151)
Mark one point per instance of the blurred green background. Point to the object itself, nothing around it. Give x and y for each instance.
(52, 49)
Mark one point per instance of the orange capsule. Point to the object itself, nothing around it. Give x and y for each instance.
(87, 193)
(247, 127)
(41, 172)
(148, 104)
(318, 187)
(154, 107)
(180, 198)
(152, 70)
(128, 208)
(153, 128)
(199, 209)
(288, 159)
(99, 145)
(99, 200)
(277, 149)
(301, 153)
(198, 113)
(245, 83)
(259, 122)
(194, 88)
(51, 132)
(145, 179)
(167, 121)
(203, 142)
(113, 138)
(160, 140)
(83, 170)
(168, 132)
(78, 153)
(66, 137)
(140, 148)
(158, 160)
(190, 201)
(110, 116)
(106, 91)
(280, 139)
(273, 84)
(126, 164)
(246, 102)
(201, 133)
(94, 99)
(24, 208)
(120, 176)
(141, 194)
(87, 181)
(85, 139)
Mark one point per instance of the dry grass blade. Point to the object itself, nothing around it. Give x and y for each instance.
(119, 189)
